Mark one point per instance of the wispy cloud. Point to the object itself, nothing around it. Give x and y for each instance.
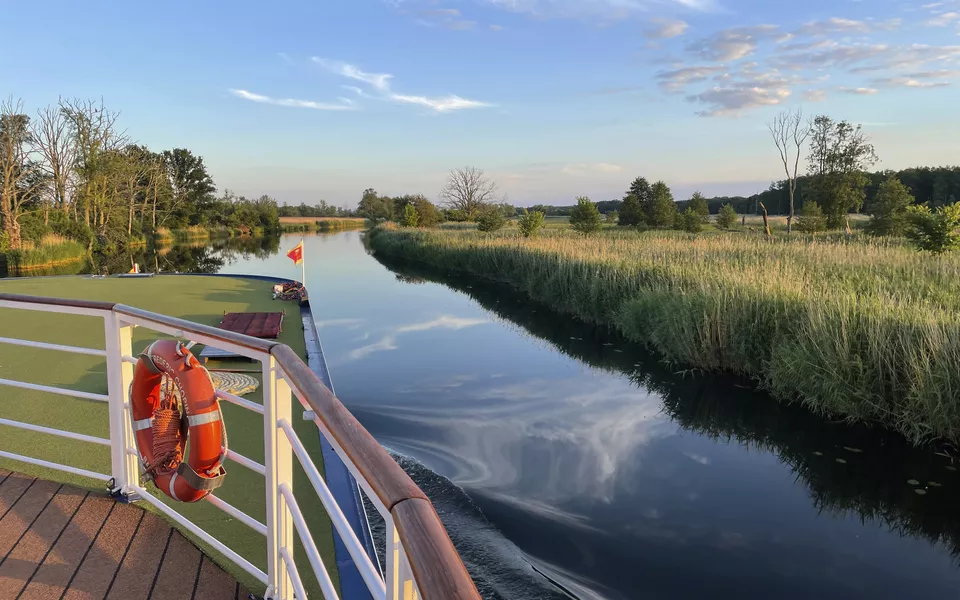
(678, 79)
(859, 91)
(379, 81)
(344, 104)
(381, 84)
(834, 25)
(447, 18)
(662, 29)
(581, 169)
(918, 80)
(944, 20)
(602, 10)
(734, 43)
(441, 105)
(730, 100)
(815, 95)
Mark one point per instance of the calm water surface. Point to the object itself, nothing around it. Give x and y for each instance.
(566, 463)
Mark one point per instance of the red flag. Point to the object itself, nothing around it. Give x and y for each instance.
(296, 255)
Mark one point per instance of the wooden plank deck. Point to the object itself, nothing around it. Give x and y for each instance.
(57, 541)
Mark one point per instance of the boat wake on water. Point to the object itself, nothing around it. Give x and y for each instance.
(500, 570)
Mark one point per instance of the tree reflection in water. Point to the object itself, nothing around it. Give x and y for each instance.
(206, 256)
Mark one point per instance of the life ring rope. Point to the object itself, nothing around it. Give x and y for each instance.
(173, 400)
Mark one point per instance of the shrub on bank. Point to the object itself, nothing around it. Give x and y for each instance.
(490, 219)
(869, 330)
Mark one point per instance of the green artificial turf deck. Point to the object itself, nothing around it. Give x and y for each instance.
(199, 299)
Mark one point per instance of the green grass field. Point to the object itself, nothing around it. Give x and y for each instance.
(199, 299)
(865, 328)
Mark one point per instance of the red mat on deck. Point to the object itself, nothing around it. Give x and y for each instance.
(261, 325)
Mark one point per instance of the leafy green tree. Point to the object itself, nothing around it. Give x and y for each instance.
(192, 187)
(530, 223)
(727, 217)
(612, 217)
(409, 218)
(810, 218)
(690, 220)
(374, 207)
(839, 156)
(427, 213)
(631, 213)
(935, 231)
(490, 218)
(640, 188)
(585, 218)
(890, 206)
(698, 203)
(663, 210)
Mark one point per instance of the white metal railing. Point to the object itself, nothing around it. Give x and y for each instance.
(421, 561)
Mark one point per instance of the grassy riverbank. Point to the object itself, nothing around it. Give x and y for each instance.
(52, 252)
(867, 330)
(319, 224)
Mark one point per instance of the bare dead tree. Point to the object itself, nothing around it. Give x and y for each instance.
(97, 141)
(790, 133)
(20, 180)
(55, 144)
(468, 190)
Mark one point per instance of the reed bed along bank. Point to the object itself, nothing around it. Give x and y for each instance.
(52, 251)
(867, 329)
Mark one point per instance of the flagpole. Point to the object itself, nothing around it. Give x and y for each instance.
(303, 266)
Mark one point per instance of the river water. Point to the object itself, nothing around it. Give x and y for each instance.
(567, 463)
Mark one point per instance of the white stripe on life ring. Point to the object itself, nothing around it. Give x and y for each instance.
(142, 424)
(173, 492)
(210, 417)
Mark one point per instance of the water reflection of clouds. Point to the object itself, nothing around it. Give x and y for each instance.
(539, 440)
(388, 341)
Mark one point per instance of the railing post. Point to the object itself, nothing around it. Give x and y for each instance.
(278, 461)
(400, 582)
(125, 467)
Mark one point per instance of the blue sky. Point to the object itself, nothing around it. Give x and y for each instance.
(306, 100)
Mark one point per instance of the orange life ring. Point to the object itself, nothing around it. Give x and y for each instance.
(172, 400)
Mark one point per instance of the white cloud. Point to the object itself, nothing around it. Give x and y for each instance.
(860, 91)
(293, 102)
(661, 29)
(580, 169)
(729, 100)
(834, 25)
(604, 10)
(381, 83)
(734, 43)
(944, 20)
(815, 95)
(678, 79)
(445, 104)
(918, 80)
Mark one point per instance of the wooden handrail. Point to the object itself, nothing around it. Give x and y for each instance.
(387, 479)
(436, 566)
(87, 304)
(216, 333)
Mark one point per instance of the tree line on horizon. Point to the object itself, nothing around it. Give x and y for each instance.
(73, 172)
